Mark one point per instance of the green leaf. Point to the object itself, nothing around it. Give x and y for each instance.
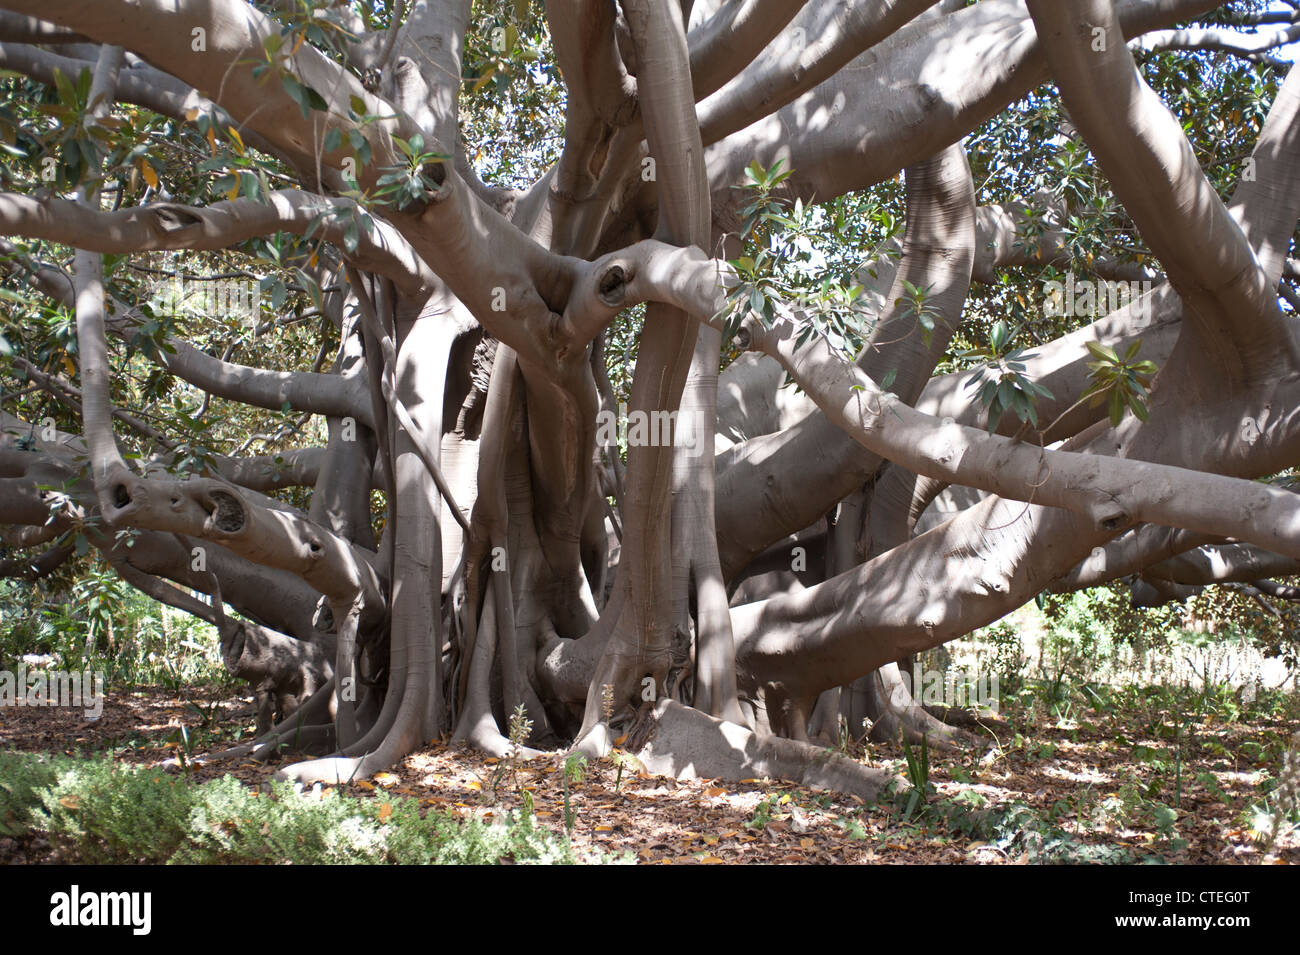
(1028, 412)
(1116, 408)
(67, 93)
(83, 86)
(998, 337)
(294, 89)
(995, 416)
(315, 100)
(1103, 352)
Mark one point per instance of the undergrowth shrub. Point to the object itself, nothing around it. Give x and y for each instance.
(105, 812)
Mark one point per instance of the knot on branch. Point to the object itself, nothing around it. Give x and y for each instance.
(612, 286)
(1109, 515)
(744, 339)
(753, 335)
(559, 335)
(436, 173)
(227, 513)
(436, 189)
(119, 492)
(322, 620)
(170, 218)
(928, 96)
(313, 550)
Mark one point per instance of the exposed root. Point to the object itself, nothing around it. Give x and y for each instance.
(898, 712)
(596, 743)
(332, 771)
(313, 712)
(960, 716)
(318, 738)
(686, 743)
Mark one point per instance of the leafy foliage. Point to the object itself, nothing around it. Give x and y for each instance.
(1121, 383)
(783, 268)
(1002, 385)
(114, 814)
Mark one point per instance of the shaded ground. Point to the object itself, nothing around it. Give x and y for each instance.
(1138, 776)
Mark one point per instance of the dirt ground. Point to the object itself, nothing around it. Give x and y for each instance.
(1035, 789)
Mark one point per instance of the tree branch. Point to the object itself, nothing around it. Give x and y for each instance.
(816, 46)
(1112, 492)
(170, 226)
(1153, 169)
(728, 41)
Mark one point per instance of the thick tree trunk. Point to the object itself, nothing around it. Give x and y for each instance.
(772, 559)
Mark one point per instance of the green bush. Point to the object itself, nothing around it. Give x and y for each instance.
(1007, 651)
(115, 813)
(97, 622)
(21, 779)
(110, 813)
